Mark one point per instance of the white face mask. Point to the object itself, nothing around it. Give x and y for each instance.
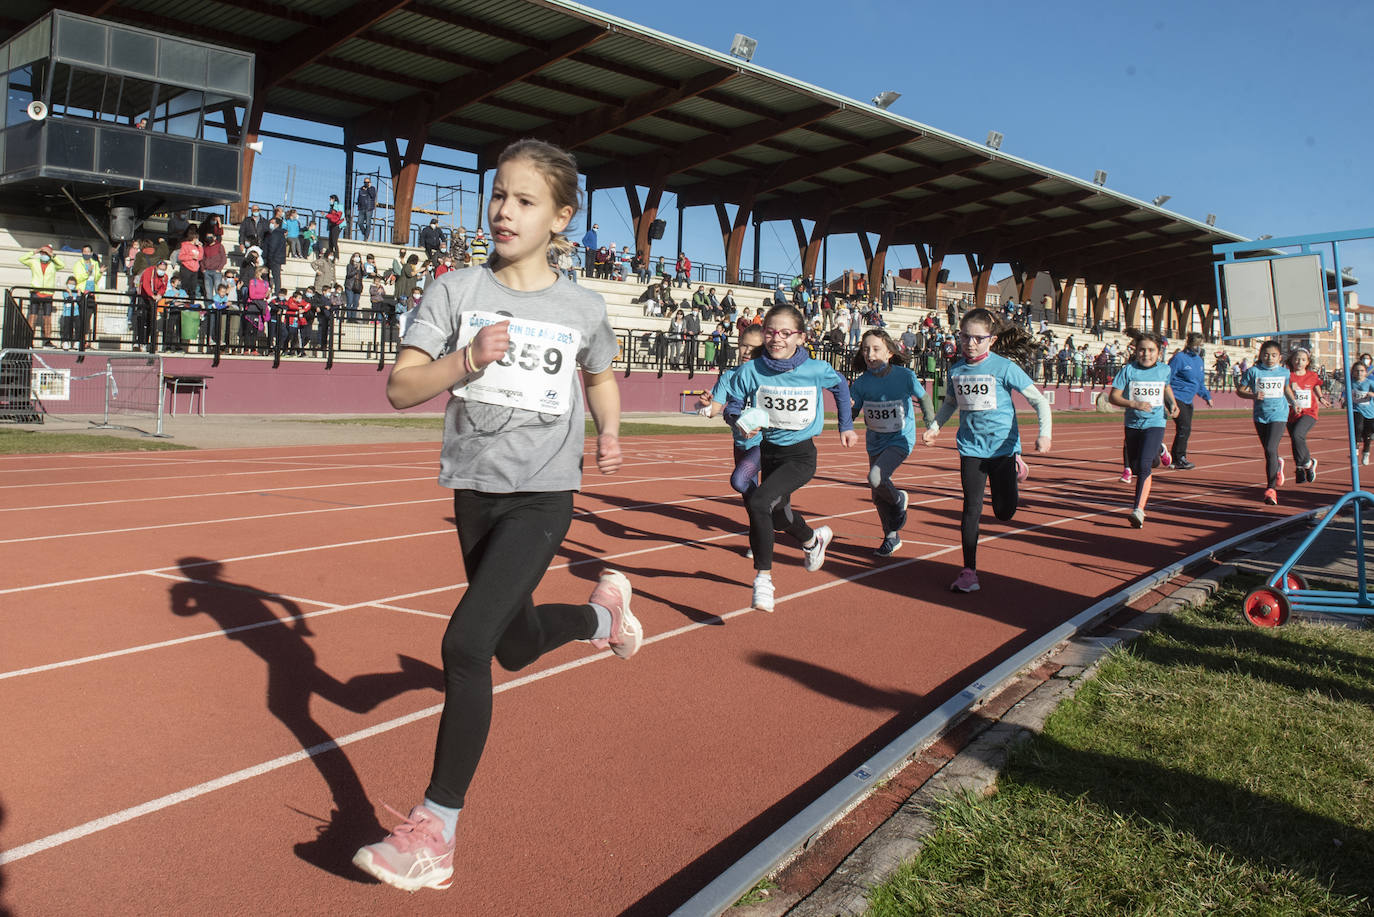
(161, 272)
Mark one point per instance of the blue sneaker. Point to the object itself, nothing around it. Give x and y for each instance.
(890, 544)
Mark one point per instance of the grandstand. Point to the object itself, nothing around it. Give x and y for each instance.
(792, 153)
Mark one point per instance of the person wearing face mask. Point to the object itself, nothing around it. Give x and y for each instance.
(252, 229)
(43, 267)
(152, 286)
(87, 272)
(355, 278)
(71, 313)
(274, 251)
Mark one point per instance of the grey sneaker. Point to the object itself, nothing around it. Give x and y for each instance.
(1137, 518)
(815, 554)
(890, 544)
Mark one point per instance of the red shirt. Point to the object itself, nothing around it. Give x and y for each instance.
(1304, 388)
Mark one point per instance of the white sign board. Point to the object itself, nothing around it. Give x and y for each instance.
(1281, 295)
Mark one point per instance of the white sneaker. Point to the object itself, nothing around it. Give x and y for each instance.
(815, 554)
(763, 593)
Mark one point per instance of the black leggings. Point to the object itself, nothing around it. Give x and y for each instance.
(1364, 430)
(975, 473)
(507, 541)
(785, 470)
(1270, 435)
(1297, 437)
(1183, 428)
(1142, 453)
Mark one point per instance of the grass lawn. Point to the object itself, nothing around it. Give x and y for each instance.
(1209, 768)
(34, 442)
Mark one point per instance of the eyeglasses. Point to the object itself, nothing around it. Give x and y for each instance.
(779, 332)
(974, 338)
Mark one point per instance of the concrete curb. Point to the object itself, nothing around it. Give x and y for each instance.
(976, 767)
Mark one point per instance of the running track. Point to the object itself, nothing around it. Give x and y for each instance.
(185, 633)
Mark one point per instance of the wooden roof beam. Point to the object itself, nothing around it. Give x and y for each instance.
(695, 152)
(801, 169)
(324, 35)
(399, 118)
(450, 16)
(811, 203)
(582, 129)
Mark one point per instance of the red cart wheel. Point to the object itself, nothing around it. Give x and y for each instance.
(1294, 580)
(1266, 607)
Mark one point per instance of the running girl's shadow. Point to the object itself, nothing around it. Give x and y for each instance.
(245, 613)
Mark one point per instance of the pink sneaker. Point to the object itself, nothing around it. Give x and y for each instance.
(413, 856)
(1125, 475)
(1165, 458)
(1022, 469)
(613, 594)
(967, 581)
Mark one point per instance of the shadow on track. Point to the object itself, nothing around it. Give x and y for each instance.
(293, 679)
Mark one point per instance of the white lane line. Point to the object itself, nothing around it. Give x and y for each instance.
(118, 818)
(131, 501)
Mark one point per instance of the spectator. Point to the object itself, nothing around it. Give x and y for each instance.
(310, 240)
(71, 314)
(366, 203)
(640, 263)
(177, 224)
(323, 266)
(44, 268)
(152, 286)
(683, 276)
(889, 291)
(589, 248)
(87, 272)
(458, 246)
(432, 240)
(727, 306)
(565, 263)
(292, 227)
(676, 326)
(213, 261)
(407, 279)
(274, 251)
(691, 331)
(334, 218)
(909, 339)
(252, 229)
(190, 254)
(478, 249)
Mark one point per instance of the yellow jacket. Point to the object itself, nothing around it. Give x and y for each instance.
(44, 276)
(82, 275)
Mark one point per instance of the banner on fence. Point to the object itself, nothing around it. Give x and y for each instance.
(52, 384)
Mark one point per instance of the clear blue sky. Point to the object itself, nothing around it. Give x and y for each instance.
(1257, 111)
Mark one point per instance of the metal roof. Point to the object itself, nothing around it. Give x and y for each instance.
(637, 106)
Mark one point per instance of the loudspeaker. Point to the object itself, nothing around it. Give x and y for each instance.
(656, 229)
(36, 110)
(943, 276)
(123, 223)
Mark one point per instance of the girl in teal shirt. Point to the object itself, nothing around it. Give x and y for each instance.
(1142, 388)
(1267, 384)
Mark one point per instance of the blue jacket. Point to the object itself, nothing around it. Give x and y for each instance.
(1188, 377)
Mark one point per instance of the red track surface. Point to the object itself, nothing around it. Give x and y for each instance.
(152, 758)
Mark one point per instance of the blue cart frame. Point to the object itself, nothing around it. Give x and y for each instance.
(1286, 590)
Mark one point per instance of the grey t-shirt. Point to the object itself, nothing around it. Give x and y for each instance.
(498, 449)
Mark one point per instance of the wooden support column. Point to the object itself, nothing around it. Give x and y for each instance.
(645, 216)
(1209, 320)
(251, 125)
(404, 172)
(1132, 310)
(937, 264)
(878, 263)
(1063, 293)
(1025, 281)
(1156, 320)
(799, 231)
(980, 269)
(819, 230)
(734, 245)
(866, 246)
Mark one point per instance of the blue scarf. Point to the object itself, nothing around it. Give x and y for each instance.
(782, 366)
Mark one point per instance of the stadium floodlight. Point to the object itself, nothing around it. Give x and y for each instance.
(1265, 236)
(1211, 219)
(1160, 201)
(743, 47)
(885, 98)
(995, 140)
(1099, 177)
